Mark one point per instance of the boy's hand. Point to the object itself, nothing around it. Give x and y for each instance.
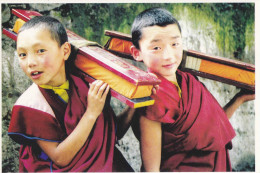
(237, 100)
(245, 95)
(62, 153)
(155, 89)
(96, 98)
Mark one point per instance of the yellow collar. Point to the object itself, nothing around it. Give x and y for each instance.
(60, 90)
(177, 85)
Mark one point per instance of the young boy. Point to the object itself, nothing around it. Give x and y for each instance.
(186, 129)
(63, 123)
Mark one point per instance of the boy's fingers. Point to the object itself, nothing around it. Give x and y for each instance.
(96, 86)
(155, 89)
(101, 90)
(106, 92)
(92, 85)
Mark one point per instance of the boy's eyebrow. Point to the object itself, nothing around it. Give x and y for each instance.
(175, 37)
(34, 45)
(157, 40)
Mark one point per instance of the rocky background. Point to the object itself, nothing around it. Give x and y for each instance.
(219, 29)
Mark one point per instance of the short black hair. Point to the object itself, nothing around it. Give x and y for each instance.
(56, 29)
(151, 17)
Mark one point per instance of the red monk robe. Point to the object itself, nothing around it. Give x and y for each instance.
(40, 114)
(196, 132)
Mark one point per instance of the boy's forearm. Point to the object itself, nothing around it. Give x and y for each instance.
(151, 137)
(236, 101)
(232, 106)
(124, 120)
(65, 151)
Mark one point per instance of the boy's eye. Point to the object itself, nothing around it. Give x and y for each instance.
(175, 44)
(21, 55)
(41, 51)
(156, 48)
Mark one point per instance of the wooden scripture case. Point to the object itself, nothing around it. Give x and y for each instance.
(225, 70)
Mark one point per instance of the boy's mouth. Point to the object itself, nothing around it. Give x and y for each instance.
(168, 65)
(35, 74)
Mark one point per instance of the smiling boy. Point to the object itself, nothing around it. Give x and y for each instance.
(165, 43)
(186, 129)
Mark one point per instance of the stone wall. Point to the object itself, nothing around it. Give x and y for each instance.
(198, 36)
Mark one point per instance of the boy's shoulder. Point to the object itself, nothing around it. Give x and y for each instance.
(33, 98)
(186, 75)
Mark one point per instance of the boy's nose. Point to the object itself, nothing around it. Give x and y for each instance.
(167, 56)
(31, 60)
(168, 53)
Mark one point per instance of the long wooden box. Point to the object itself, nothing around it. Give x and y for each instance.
(225, 70)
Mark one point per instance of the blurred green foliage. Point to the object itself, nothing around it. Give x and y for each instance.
(233, 22)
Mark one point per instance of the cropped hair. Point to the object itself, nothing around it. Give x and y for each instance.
(56, 29)
(151, 17)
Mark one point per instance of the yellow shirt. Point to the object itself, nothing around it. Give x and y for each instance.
(60, 90)
(177, 85)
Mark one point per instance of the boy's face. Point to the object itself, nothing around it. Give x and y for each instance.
(41, 58)
(161, 50)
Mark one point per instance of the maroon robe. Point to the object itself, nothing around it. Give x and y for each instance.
(195, 129)
(40, 114)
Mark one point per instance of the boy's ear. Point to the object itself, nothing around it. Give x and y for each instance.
(136, 53)
(66, 50)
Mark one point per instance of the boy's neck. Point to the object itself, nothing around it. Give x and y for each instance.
(171, 78)
(58, 82)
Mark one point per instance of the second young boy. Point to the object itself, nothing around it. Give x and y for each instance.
(186, 129)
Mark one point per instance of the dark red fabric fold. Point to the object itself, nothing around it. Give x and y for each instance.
(195, 127)
(97, 153)
(24, 122)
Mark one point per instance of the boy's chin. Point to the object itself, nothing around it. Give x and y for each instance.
(169, 74)
(170, 71)
(39, 82)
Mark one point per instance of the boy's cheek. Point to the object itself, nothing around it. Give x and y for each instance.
(179, 54)
(154, 63)
(23, 67)
(21, 63)
(46, 61)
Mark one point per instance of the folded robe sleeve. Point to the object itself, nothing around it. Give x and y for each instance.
(32, 118)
